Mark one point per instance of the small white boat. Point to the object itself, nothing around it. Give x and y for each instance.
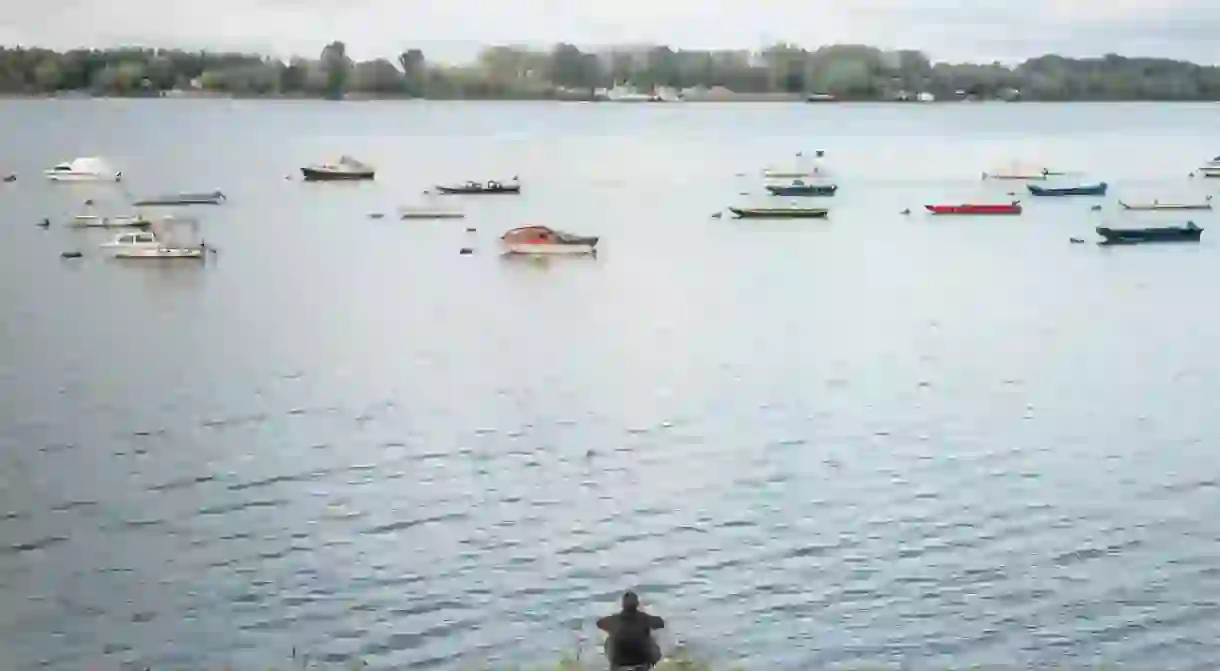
(88, 169)
(114, 221)
(161, 241)
(804, 169)
(548, 241)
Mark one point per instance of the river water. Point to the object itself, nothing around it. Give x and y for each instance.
(878, 441)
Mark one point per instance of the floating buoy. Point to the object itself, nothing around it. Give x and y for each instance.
(71, 255)
(465, 250)
(376, 215)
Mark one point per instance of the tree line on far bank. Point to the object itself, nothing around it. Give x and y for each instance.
(851, 72)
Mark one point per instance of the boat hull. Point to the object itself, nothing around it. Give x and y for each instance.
(431, 215)
(549, 249)
(92, 221)
(1128, 236)
(183, 199)
(467, 191)
(1027, 178)
(974, 209)
(1150, 207)
(137, 252)
(1087, 190)
(316, 175)
(779, 213)
(81, 177)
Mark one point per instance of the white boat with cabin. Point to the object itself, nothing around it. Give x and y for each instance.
(87, 169)
(163, 240)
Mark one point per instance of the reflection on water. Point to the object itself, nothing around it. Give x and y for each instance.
(876, 441)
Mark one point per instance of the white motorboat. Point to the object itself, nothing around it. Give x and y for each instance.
(88, 169)
(342, 170)
(548, 241)
(161, 241)
(803, 169)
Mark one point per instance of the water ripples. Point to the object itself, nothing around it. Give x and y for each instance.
(872, 444)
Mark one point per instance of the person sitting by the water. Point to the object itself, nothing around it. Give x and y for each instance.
(630, 644)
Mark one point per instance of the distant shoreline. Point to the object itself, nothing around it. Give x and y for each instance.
(738, 98)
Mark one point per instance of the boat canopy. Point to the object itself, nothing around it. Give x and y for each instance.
(543, 234)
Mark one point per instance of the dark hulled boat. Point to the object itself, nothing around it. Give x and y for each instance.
(346, 169)
(1118, 236)
(801, 188)
(780, 212)
(481, 188)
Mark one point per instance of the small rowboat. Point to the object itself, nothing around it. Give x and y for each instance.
(780, 212)
(213, 198)
(429, 213)
(801, 188)
(115, 221)
(1098, 189)
(976, 208)
(1157, 205)
(1128, 236)
(1018, 175)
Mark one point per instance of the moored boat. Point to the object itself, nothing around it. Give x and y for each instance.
(480, 188)
(429, 213)
(780, 212)
(213, 198)
(1117, 236)
(342, 170)
(87, 169)
(1158, 205)
(546, 240)
(114, 221)
(163, 240)
(801, 188)
(1210, 171)
(976, 208)
(1098, 189)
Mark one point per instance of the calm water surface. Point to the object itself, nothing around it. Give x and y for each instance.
(878, 441)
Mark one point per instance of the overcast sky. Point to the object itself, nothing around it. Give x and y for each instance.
(453, 30)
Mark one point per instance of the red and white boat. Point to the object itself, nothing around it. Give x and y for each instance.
(544, 240)
(976, 208)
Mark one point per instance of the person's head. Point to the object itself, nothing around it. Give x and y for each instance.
(631, 602)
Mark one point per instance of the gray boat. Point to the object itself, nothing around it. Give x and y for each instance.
(213, 198)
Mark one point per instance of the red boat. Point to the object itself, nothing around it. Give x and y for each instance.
(974, 208)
